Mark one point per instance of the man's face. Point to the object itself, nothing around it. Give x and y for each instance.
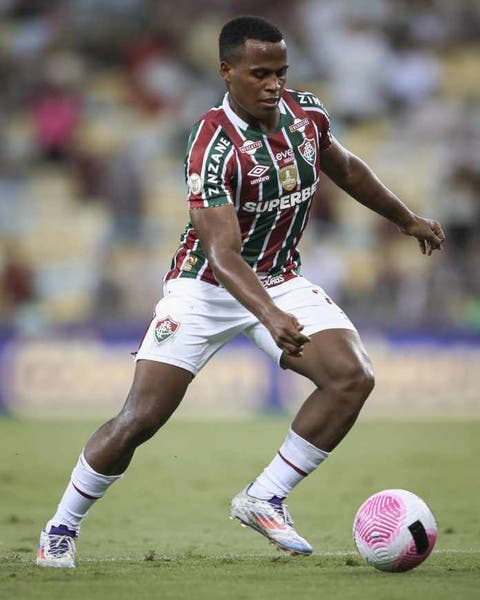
(255, 79)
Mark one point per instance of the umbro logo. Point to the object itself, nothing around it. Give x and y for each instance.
(258, 171)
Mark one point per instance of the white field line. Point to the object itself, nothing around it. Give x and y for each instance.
(164, 558)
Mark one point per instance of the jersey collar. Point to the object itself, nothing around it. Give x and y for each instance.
(236, 120)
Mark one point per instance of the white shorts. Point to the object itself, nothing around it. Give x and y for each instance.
(195, 319)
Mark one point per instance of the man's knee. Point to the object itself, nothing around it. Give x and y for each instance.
(354, 380)
(141, 417)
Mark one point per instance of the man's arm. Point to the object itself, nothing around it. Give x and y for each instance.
(219, 234)
(355, 177)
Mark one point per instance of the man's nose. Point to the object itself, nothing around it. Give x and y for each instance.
(273, 83)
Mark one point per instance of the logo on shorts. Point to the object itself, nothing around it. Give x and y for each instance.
(165, 328)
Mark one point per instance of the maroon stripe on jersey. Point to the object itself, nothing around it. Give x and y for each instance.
(293, 105)
(290, 263)
(196, 159)
(294, 467)
(316, 115)
(276, 240)
(230, 129)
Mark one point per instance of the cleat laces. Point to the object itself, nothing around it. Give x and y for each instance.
(59, 545)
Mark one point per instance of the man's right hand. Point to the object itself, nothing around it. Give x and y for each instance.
(286, 331)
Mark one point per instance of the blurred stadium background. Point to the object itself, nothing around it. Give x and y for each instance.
(96, 101)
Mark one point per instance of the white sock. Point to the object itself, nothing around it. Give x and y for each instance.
(85, 487)
(293, 462)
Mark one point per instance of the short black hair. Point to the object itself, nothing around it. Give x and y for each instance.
(238, 30)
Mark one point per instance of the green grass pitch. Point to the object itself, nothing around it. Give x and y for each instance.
(163, 531)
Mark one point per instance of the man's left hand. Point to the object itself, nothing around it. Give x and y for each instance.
(428, 232)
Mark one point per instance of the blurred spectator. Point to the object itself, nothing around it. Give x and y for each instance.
(157, 78)
(17, 283)
(57, 107)
(414, 76)
(125, 196)
(358, 63)
(460, 209)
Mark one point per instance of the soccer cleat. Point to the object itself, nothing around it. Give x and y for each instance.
(57, 548)
(270, 518)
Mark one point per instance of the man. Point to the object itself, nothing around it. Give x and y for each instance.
(252, 167)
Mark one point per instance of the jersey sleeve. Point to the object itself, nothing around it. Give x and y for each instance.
(209, 166)
(317, 112)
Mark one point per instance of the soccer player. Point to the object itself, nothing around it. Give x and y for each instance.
(252, 167)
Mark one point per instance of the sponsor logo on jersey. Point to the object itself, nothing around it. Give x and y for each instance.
(309, 99)
(258, 171)
(214, 168)
(284, 155)
(165, 328)
(288, 177)
(308, 151)
(298, 125)
(250, 147)
(195, 184)
(283, 203)
(272, 280)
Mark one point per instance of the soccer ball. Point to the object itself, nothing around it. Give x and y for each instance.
(394, 530)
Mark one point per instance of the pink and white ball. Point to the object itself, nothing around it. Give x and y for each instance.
(394, 530)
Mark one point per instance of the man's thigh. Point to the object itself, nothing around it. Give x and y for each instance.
(191, 323)
(314, 309)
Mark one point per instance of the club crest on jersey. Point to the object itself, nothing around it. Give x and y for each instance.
(195, 184)
(250, 147)
(298, 125)
(165, 328)
(288, 177)
(308, 151)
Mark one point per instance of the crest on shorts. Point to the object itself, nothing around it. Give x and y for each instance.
(308, 151)
(165, 328)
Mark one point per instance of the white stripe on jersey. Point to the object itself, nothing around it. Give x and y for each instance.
(315, 109)
(239, 182)
(192, 146)
(225, 163)
(279, 213)
(204, 163)
(295, 241)
(297, 208)
(260, 187)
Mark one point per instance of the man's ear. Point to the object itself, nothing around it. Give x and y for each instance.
(225, 71)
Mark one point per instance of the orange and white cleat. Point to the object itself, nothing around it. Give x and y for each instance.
(270, 518)
(57, 548)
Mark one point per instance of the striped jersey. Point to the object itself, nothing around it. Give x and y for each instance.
(270, 178)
